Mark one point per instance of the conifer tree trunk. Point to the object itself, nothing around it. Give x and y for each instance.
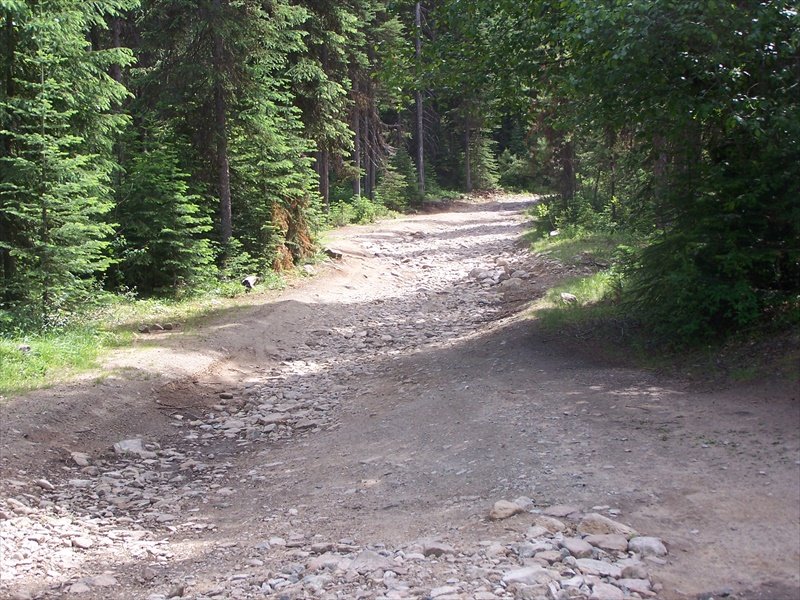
(467, 158)
(418, 100)
(220, 122)
(368, 158)
(324, 181)
(357, 152)
(116, 27)
(6, 260)
(567, 182)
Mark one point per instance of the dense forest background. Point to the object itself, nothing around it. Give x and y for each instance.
(164, 147)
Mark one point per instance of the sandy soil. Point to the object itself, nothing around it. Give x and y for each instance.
(467, 403)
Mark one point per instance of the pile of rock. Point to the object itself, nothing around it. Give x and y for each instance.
(573, 556)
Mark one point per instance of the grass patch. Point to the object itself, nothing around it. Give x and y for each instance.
(583, 317)
(576, 246)
(39, 360)
(30, 361)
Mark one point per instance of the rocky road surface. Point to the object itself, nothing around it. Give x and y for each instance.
(397, 427)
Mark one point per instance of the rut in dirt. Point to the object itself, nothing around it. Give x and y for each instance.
(404, 394)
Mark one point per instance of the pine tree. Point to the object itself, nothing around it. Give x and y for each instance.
(58, 126)
(161, 238)
(220, 76)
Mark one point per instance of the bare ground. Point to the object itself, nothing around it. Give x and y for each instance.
(441, 396)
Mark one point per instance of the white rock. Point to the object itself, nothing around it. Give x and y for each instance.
(82, 542)
(647, 546)
(79, 587)
(590, 566)
(131, 446)
(443, 590)
(80, 483)
(528, 576)
(569, 298)
(524, 502)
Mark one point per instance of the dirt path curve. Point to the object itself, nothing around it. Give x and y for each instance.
(348, 439)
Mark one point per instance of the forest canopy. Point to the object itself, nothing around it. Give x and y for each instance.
(160, 147)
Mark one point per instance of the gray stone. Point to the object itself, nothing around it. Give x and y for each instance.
(131, 446)
(316, 582)
(528, 576)
(536, 531)
(577, 547)
(590, 566)
(512, 283)
(443, 590)
(104, 580)
(328, 561)
(548, 556)
(436, 548)
(80, 483)
(81, 458)
(640, 586)
(368, 561)
(79, 587)
(524, 502)
(608, 541)
(636, 571)
(605, 591)
(647, 546)
(82, 542)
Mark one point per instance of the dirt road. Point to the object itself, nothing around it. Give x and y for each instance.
(348, 438)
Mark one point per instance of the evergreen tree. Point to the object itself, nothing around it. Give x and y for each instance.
(161, 240)
(219, 74)
(58, 126)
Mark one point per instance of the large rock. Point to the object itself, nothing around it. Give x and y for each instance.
(368, 561)
(577, 547)
(327, 561)
(590, 566)
(597, 524)
(605, 591)
(133, 446)
(647, 546)
(640, 586)
(552, 524)
(436, 548)
(503, 509)
(528, 576)
(608, 541)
